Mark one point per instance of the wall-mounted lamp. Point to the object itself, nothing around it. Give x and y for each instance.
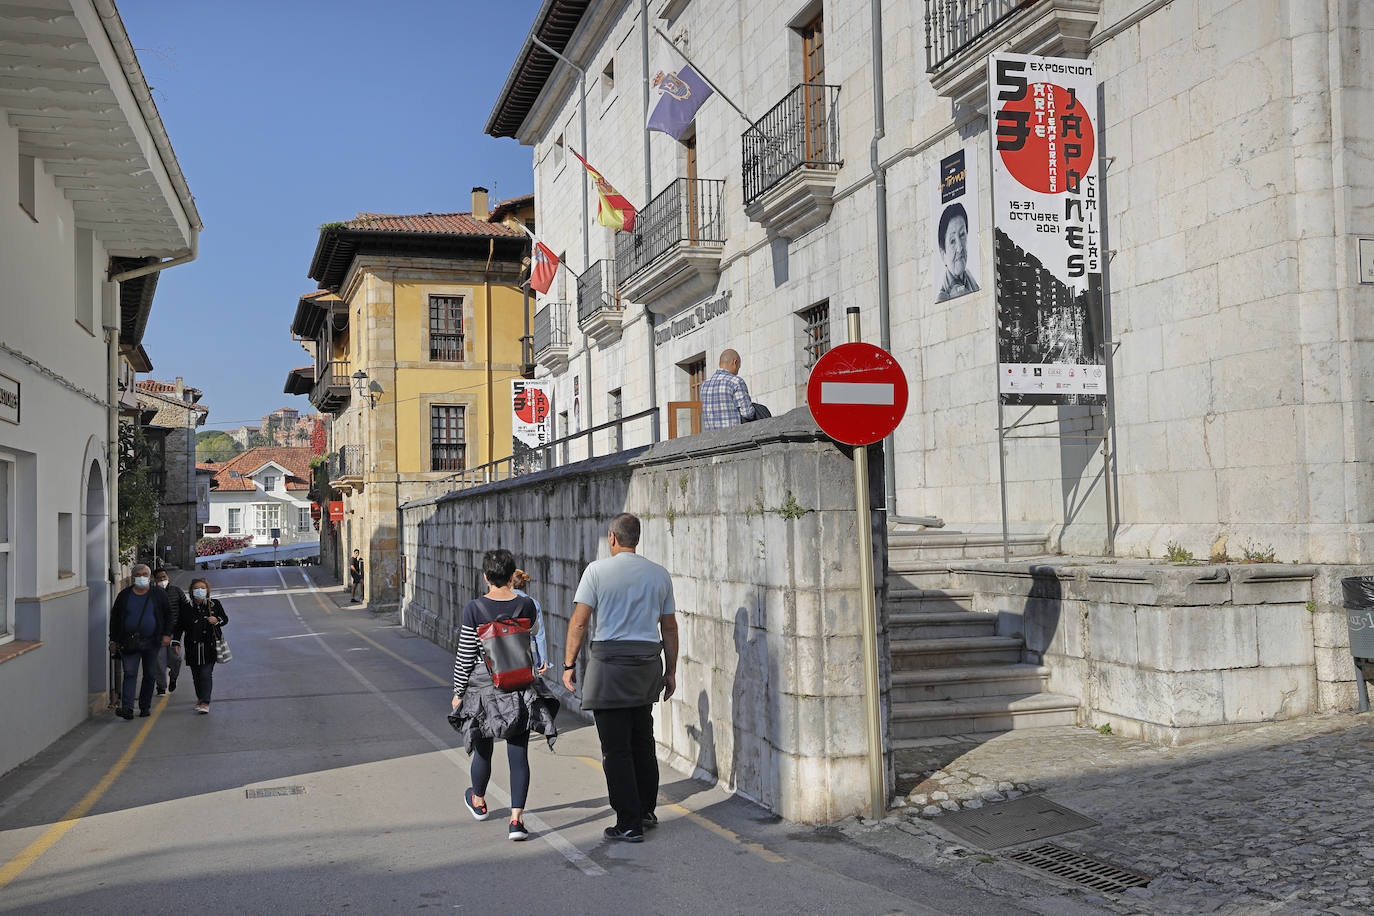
(366, 389)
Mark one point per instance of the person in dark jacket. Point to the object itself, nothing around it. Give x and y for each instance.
(169, 657)
(482, 712)
(140, 624)
(201, 621)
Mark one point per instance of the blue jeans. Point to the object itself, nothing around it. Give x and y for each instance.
(203, 676)
(147, 656)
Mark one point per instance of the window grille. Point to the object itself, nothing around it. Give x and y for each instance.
(447, 439)
(446, 328)
(815, 333)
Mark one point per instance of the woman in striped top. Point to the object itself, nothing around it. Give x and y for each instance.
(482, 712)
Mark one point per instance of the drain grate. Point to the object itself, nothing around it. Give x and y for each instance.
(1080, 869)
(274, 791)
(1019, 821)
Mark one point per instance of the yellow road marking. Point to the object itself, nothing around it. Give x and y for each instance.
(16, 866)
(758, 849)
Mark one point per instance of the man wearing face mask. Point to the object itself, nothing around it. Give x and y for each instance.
(140, 624)
(169, 656)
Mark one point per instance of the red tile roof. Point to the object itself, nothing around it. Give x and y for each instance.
(295, 460)
(156, 387)
(430, 223)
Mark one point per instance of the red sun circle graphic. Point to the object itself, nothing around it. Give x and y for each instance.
(1030, 165)
(535, 408)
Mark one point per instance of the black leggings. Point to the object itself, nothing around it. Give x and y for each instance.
(517, 755)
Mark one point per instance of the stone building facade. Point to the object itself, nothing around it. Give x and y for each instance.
(183, 505)
(1238, 181)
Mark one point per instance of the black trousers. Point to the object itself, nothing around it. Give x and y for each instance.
(630, 761)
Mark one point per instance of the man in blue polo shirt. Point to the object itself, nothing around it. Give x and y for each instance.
(632, 658)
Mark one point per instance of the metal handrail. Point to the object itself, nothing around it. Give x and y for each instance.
(801, 131)
(596, 289)
(535, 459)
(688, 210)
(954, 25)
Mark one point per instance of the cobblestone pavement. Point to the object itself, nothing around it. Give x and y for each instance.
(1276, 819)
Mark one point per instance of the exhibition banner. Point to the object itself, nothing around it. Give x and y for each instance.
(1047, 230)
(531, 423)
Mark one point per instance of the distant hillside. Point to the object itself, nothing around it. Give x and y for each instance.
(215, 445)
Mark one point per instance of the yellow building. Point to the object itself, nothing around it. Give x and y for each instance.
(419, 327)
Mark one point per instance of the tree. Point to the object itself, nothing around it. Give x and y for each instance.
(214, 445)
(137, 498)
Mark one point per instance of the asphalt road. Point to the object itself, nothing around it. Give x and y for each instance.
(343, 716)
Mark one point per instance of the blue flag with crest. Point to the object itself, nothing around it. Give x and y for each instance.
(681, 95)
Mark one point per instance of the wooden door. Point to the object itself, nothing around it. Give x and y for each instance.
(691, 199)
(813, 74)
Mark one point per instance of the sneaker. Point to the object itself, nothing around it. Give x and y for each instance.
(650, 821)
(203, 708)
(478, 811)
(144, 713)
(625, 834)
(172, 686)
(162, 691)
(124, 712)
(518, 831)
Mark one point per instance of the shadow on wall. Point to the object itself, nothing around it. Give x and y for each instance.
(752, 764)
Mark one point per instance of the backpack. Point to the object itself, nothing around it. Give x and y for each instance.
(506, 651)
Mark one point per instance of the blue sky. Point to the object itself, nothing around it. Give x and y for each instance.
(292, 113)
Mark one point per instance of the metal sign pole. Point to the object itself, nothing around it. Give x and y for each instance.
(877, 781)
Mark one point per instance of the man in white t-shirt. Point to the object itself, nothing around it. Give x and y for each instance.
(631, 659)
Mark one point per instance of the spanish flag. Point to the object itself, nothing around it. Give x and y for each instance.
(614, 211)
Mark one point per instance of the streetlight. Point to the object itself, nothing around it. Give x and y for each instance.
(360, 384)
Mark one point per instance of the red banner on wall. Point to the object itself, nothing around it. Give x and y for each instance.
(336, 510)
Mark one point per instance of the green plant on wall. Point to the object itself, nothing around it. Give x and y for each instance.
(137, 496)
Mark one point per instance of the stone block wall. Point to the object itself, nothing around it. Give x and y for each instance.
(756, 526)
(1172, 653)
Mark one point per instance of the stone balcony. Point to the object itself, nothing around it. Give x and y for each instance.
(958, 40)
(791, 159)
(600, 312)
(551, 338)
(672, 259)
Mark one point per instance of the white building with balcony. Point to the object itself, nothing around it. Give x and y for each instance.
(92, 205)
(262, 490)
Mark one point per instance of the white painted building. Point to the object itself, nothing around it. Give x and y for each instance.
(260, 490)
(1238, 183)
(93, 201)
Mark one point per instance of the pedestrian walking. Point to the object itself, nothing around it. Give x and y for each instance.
(355, 572)
(632, 658)
(482, 711)
(169, 656)
(139, 625)
(518, 581)
(725, 397)
(202, 622)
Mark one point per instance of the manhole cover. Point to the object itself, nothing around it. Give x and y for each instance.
(274, 791)
(1018, 821)
(1080, 869)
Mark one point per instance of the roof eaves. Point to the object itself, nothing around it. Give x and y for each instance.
(554, 24)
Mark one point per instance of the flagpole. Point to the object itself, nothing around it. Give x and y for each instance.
(704, 78)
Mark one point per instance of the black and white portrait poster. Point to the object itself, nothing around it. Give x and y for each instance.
(1047, 230)
(955, 218)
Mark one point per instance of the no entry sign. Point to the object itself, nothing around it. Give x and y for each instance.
(857, 393)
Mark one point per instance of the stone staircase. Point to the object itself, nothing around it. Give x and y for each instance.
(951, 673)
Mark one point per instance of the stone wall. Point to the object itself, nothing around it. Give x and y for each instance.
(1172, 653)
(756, 526)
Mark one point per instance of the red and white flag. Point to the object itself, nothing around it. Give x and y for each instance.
(544, 266)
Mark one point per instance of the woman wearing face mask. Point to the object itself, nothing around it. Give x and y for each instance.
(199, 627)
(169, 657)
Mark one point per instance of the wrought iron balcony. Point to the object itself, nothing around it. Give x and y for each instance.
(332, 392)
(791, 156)
(673, 256)
(346, 467)
(551, 339)
(801, 131)
(599, 310)
(953, 25)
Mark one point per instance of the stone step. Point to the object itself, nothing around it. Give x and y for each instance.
(960, 651)
(939, 624)
(981, 714)
(969, 681)
(904, 600)
(910, 548)
(918, 576)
